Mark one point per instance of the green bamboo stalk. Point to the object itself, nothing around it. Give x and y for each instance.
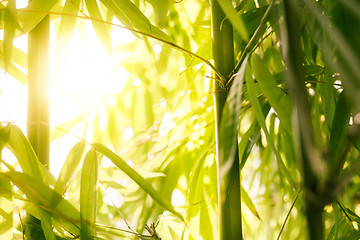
(230, 226)
(309, 164)
(38, 128)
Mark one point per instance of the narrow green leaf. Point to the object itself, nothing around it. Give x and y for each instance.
(6, 209)
(19, 57)
(10, 24)
(65, 32)
(46, 225)
(248, 202)
(235, 19)
(230, 119)
(272, 57)
(119, 14)
(340, 126)
(34, 13)
(248, 140)
(277, 98)
(89, 195)
(261, 119)
(100, 27)
(136, 177)
(133, 14)
(42, 196)
(24, 153)
(13, 71)
(132, 18)
(313, 70)
(69, 167)
(63, 128)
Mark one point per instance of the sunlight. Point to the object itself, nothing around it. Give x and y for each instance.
(88, 78)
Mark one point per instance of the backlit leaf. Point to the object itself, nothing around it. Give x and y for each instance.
(34, 13)
(229, 123)
(277, 98)
(235, 19)
(10, 19)
(89, 195)
(69, 167)
(136, 177)
(247, 200)
(250, 85)
(6, 209)
(99, 26)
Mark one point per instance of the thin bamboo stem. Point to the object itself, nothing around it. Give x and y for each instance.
(38, 130)
(230, 225)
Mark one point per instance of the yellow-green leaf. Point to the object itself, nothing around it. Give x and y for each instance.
(89, 195)
(99, 24)
(34, 13)
(10, 19)
(136, 177)
(69, 167)
(247, 200)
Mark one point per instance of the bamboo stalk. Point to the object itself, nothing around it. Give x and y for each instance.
(230, 226)
(38, 130)
(309, 163)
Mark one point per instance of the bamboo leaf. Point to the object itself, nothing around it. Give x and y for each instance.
(235, 20)
(277, 98)
(230, 119)
(46, 199)
(69, 167)
(24, 153)
(100, 27)
(261, 119)
(65, 32)
(34, 13)
(13, 71)
(6, 209)
(247, 200)
(129, 15)
(19, 57)
(10, 25)
(132, 13)
(136, 177)
(340, 125)
(63, 128)
(248, 140)
(89, 195)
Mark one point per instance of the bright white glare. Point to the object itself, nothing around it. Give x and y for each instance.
(177, 198)
(8, 157)
(128, 133)
(311, 92)
(88, 77)
(136, 82)
(106, 163)
(157, 48)
(103, 121)
(121, 35)
(111, 101)
(113, 198)
(13, 102)
(166, 124)
(163, 102)
(21, 3)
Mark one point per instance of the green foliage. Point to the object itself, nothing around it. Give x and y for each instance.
(289, 112)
